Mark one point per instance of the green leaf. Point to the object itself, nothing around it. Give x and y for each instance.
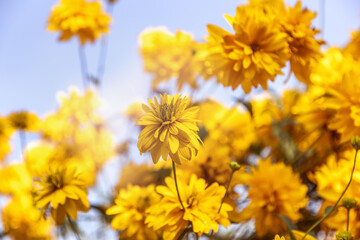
(290, 225)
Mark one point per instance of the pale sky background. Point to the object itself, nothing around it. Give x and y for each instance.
(34, 66)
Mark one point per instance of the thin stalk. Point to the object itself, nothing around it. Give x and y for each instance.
(347, 219)
(73, 228)
(83, 66)
(337, 202)
(22, 136)
(223, 199)
(176, 185)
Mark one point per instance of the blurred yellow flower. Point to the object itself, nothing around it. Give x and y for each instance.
(81, 18)
(352, 47)
(304, 48)
(232, 129)
(5, 133)
(170, 129)
(130, 212)
(277, 237)
(299, 235)
(201, 204)
(63, 188)
(15, 179)
(275, 6)
(134, 111)
(273, 189)
(168, 55)
(331, 180)
(253, 55)
(22, 221)
(24, 121)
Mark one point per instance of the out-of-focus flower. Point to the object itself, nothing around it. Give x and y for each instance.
(353, 47)
(130, 212)
(277, 237)
(275, 6)
(63, 189)
(331, 68)
(168, 55)
(24, 121)
(304, 48)
(232, 129)
(81, 18)
(170, 129)
(143, 174)
(5, 133)
(299, 235)
(331, 180)
(134, 111)
(15, 179)
(254, 54)
(23, 221)
(201, 204)
(273, 189)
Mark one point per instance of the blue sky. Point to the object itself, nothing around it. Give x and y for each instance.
(34, 65)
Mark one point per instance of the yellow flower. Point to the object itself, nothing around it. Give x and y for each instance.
(15, 179)
(170, 129)
(130, 212)
(23, 221)
(331, 180)
(277, 237)
(331, 68)
(273, 189)
(343, 100)
(201, 204)
(24, 121)
(134, 111)
(254, 54)
(304, 48)
(143, 174)
(299, 235)
(168, 55)
(353, 46)
(64, 190)
(232, 129)
(80, 18)
(5, 133)
(275, 6)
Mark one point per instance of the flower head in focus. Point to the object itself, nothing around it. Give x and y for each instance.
(168, 55)
(80, 18)
(251, 56)
(201, 204)
(130, 212)
(170, 129)
(63, 189)
(273, 189)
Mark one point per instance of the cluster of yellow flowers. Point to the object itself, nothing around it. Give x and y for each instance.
(263, 163)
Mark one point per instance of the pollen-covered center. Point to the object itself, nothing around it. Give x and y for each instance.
(56, 180)
(167, 113)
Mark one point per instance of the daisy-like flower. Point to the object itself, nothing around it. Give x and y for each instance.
(304, 48)
(170, 129)
(254, 54)
(130, 212)
(201, 204)
(24, 121)
(80, 18)
(168, 55)
(64, 190)
(273, 190)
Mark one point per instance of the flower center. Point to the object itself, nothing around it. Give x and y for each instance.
(56, 180)
(166, 112)
(255, 47)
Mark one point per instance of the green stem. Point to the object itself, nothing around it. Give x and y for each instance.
(176, 185)
(223, 199)
(74, 228)
(337, 202)
(83, 66)
(347, 219)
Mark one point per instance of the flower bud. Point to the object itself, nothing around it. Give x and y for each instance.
(349, 202)
(355, 142)
(234, 166)
(344, 236)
